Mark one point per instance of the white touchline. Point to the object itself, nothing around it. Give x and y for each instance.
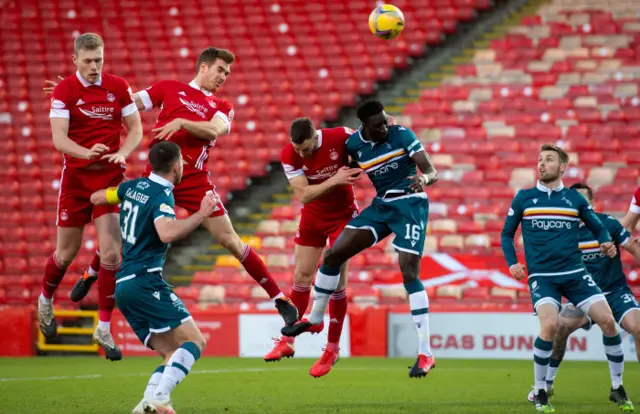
(139, 374)
(228, 371)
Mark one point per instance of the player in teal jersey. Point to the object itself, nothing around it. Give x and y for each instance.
(389, 155)
(608, 274)
(549, 214)
(157, 316)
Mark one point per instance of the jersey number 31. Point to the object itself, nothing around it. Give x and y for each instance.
(129, 222)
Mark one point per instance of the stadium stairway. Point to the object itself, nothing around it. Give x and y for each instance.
(199, 252)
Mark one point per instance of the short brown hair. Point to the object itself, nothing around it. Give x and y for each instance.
(210, 54)
(564, 157)
(302, 129)
(87, 41)
(163, 156)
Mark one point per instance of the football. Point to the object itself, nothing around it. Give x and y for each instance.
(386, 21)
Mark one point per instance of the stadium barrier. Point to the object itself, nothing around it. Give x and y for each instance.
(456, 332)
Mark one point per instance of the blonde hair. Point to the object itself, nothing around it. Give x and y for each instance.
(87, 41)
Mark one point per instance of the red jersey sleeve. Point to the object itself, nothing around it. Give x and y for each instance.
(125, 97)
(61, 101)
(153, 96)
(291, 163)
(225, 111)
(635, 202)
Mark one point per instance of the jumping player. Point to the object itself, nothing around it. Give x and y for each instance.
(193, 117)
(87, 112)
(549, 213)
(389, 155)
(608, 274)
(316, 164)
(157, 316)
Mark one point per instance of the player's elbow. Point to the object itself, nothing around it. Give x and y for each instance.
(166, 236)
(98, 198)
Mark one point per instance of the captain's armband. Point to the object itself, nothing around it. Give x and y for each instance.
(112, 195)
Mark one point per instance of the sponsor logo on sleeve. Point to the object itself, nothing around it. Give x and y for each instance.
(165, 208)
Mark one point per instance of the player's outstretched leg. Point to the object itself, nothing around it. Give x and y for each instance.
(109, 235)
(630, 322)
(570, 320)
(337, 313)
(601, 314)
(547, 311)
(69, 240)
(89, 276)
(419, 304)
(222, 230)
(178, 364)
(351, 242)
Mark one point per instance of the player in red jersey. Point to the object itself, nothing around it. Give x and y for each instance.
(193, 117)
(316, 164)
(630, 221)
(87, 112)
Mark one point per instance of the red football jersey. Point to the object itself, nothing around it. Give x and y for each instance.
(329, 156)
(635, 202)
(181, 100)
(94, 112)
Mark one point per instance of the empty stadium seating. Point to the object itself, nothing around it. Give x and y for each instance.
(568, 75)
(284, 70)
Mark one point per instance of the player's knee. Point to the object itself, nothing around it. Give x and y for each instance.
(65, 257)
(548, 329)
(608, 325)
(333, 258)
(563, 330)
(109, 256)
(303, 277)
(232, 242)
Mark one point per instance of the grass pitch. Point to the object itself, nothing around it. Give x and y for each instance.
(357, 385)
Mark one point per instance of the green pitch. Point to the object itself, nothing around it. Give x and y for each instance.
(362, 385)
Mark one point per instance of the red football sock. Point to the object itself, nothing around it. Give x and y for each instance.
(94, 267)
(300, 298)
(106, 289)
(258, 271)
(337, 313)
(53, 274)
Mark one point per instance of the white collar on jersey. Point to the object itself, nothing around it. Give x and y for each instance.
(87, 84)
(359, 131)
(194, 85)
(544, 189)
(160, 180)
(319, 143)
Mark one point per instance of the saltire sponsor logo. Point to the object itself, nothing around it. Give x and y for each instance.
(100, 112)
(195, 108)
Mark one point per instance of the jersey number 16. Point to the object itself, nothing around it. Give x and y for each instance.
(129, 222)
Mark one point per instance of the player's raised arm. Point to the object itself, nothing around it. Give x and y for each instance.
(307, 193)
(133, 123)
(415, 150)
(511, 223)
(169, 229)
(64, 144)
(111, 195)
(631, 219)
(622, 237)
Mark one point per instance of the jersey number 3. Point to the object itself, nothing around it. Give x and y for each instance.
(129, 222)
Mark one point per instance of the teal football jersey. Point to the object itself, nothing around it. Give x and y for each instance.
(388, 164)
(549, 221)
(143, 201)
(606, 272)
